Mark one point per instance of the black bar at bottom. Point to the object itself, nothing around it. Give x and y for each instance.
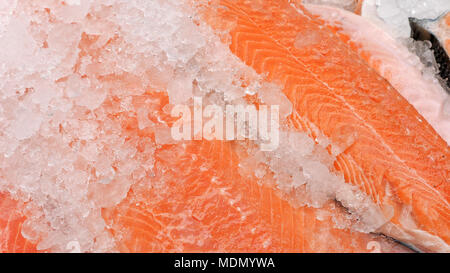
(222, 262)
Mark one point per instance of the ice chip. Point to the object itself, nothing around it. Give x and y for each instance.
(25, 124)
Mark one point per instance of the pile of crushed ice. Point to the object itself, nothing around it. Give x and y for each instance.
(73, 72)
(393, 14)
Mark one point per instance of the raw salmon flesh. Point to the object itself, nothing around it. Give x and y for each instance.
(87, 159)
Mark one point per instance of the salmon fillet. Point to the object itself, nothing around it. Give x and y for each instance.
(230, 215)
(396, 158)
(392, 61)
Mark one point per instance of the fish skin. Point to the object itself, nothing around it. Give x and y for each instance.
(439, 27)
(437, 31)
(329, 84)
